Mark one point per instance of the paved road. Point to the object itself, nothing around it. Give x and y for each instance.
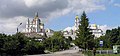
(67, 51)
(63, 53)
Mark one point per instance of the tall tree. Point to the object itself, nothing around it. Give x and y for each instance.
(56, 42)
(84, 39)
(111, 38)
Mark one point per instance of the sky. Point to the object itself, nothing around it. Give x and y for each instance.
(58, 14)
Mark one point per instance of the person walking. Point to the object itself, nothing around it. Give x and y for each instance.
(94, 51)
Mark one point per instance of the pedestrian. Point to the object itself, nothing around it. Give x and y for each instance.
(94, 51)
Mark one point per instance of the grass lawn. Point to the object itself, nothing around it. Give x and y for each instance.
(107, 54)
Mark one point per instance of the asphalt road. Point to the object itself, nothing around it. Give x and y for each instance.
(62, 53)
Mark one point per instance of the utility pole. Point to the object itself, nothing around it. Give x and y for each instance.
(18, 26)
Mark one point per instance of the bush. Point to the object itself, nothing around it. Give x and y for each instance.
(88, 53)
(19, 44)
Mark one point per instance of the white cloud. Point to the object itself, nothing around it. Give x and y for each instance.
(70, 28)
(111, 1)
(67, 29)
(47, 8)
(85, 5)
(77, 7)
(10, 25)
(105, 27)
(30, 3)
(12, 12)
(117, 5)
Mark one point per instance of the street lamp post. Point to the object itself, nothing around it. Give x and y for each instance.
(18, 26)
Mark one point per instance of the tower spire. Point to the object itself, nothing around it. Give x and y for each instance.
(77, 22)
(36, 14)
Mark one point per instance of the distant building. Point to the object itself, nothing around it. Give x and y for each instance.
(96, 31)
(34, 27)
(71, 31)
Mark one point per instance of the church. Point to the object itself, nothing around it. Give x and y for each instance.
(34, 27)
(71, 31)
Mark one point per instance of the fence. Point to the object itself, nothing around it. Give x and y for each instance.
(104, 52)
(90, 53)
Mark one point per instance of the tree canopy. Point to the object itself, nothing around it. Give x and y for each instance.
(84, 39)
(112, 37)
(57, 42)
(19, 44)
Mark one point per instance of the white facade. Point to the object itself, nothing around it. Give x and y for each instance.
(96, 31)
(77, 22)
(71, 31)
(35, 26)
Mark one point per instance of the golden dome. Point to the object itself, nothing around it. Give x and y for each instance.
(77, 17)
(94, 25)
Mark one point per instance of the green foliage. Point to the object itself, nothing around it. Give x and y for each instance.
(57, 42)
(19, 44)
(112, 37)
(33, 47)
(88, 53)
(107, 54)
(85, 38)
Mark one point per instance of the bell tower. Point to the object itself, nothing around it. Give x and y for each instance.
(77, 22)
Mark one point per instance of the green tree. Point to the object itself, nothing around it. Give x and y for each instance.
(56, 42)
(84, 39)
(19, 44)
(33, 47)
(112, 37)
(105, 42)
